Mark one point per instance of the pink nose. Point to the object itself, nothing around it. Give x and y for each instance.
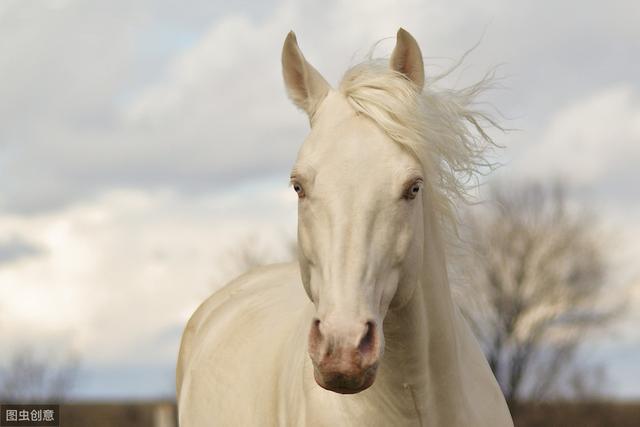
(344, 362)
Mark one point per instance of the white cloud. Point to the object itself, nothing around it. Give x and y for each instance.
(592, 141)
(130, 96)
(89, 108)
(117, 272)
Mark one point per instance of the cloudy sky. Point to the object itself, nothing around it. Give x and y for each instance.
(143, 142)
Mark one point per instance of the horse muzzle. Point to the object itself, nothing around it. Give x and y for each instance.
(342, 367)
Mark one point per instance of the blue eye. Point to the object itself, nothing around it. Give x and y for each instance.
(298, 189)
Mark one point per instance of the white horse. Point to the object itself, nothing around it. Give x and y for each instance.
(362, 331)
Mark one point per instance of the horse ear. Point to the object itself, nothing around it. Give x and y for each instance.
(407, 58)
(305, 86)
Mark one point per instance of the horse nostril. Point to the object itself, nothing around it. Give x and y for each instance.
(315, 329)
(367, 341)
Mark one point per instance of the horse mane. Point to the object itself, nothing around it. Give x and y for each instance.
(441, 127)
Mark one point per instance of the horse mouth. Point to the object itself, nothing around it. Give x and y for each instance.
(346, 382)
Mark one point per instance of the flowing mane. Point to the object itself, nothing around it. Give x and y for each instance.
(441, 127)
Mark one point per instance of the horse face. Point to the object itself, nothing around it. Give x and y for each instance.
(360, 224)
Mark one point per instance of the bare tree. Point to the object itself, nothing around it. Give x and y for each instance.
(32, 377)
(536, 273)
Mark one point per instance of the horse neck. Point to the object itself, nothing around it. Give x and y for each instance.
(423, 336)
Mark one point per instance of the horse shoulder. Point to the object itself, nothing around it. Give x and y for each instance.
(241, 327)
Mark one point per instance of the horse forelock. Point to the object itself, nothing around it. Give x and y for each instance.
(442, 128)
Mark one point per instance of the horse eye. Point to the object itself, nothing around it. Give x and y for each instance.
(413, 191)
(298, 189)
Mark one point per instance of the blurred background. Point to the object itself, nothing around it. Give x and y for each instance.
(145, 149)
